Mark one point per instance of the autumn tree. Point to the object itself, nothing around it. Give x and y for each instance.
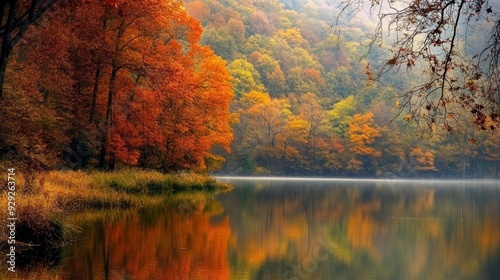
(117, 82)
(265, 65)
(276, 82)
(422, 160)
(195, 112)
(33, 128)
(492, 153)
(154, 85)
(221, 41)
(341, 114)
(317, 130)
(242, 158)
(263, 124)
(272, 118)
(392, 141)
(199, 10)
(16, 16)
(245, 77)
(362, 134)
(458, 45)
(260, 23)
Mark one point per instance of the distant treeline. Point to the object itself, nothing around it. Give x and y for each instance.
(306, 104)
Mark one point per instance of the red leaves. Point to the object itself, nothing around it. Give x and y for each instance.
(136, 71)
(392, 61)
(471, 85)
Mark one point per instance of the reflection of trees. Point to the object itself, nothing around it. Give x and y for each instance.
(360, 224)
(373, 231)
(381, 232)
(275, 225)
(159, 243)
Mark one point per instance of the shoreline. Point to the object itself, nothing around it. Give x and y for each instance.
(44, 204)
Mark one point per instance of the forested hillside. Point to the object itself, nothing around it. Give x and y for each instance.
(307, 104)
(242, 87)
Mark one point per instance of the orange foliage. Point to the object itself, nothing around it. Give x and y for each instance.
(422, 160)
(198, 9)
(134, 78)
(362, 133)
(195, 106)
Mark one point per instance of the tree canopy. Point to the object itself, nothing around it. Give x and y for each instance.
(108, 83)
(252, 87)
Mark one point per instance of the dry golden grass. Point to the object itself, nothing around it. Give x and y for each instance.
(50, 196)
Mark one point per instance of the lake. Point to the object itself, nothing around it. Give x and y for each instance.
(273, 228)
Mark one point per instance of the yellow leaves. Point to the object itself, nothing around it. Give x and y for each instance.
(245, 77)
(292, 37)
(343, 108)
(273, 113)
(297, 124)
(297, 130)
(362, 133)
(341, 113)
(254, 97)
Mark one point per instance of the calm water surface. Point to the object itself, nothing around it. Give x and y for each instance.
(293, 229)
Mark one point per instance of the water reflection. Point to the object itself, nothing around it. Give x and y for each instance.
(377, 230)
(174, 241)
(274, 229)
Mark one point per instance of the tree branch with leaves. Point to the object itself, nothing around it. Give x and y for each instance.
(461, 74)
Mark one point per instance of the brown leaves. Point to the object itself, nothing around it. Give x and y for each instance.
(392, 61)
(369, 72)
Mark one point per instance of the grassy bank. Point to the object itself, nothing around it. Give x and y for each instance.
(43, 201)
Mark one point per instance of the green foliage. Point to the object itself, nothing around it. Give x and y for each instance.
(245, 77)
(341, 114)
(259, 43)
(221, 41)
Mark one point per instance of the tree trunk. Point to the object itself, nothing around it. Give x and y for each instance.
(6, 40)
(94, 95)
(108, 120)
